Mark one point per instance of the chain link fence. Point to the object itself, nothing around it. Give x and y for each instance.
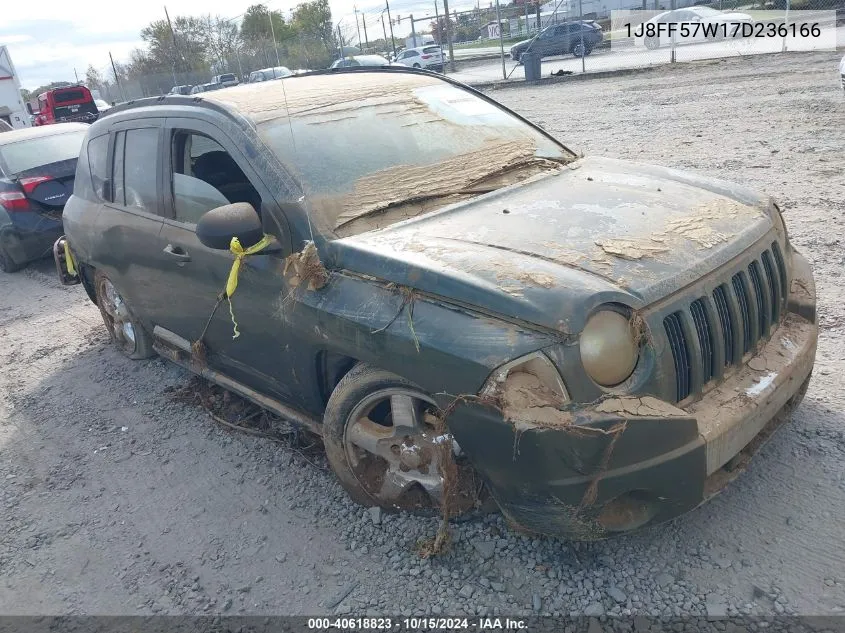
(587, 36)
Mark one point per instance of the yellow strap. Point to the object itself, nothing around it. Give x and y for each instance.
(240, 252)
(71, 265)
(232, 283)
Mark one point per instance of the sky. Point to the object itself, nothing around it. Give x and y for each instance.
(78, 34)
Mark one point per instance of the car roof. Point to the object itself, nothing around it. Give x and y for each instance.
(28, 133)
(266, 100)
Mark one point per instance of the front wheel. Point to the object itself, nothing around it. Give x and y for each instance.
(125, 330)
(417, 66)
(652, 43)
(387, 446)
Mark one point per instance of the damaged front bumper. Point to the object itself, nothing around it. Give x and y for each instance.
(628, 462)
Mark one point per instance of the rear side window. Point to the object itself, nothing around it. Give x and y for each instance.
(431, 49)
(135, 169)
(92, 170)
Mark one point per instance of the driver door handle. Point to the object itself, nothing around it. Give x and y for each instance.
(177, 252)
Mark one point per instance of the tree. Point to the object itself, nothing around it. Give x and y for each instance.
(313, 20)
(93, 77)
(223, 39)
(183, 49)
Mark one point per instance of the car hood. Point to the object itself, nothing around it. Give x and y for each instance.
(521, 45)
(549, 249)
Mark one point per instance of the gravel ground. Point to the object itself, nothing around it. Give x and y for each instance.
(120, 499)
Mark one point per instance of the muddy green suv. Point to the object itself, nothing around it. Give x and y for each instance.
(460, 306)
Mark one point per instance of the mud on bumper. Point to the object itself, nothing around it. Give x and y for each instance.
(631, 461)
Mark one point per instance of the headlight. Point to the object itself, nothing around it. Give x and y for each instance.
(609, 348)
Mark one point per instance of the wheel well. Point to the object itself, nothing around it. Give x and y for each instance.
(87, 277)
(331, 368)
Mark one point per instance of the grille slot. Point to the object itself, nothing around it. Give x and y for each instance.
(705, 339)
(744, 314)
(680, 354)
(757, 284)
(781, 269)
(774, 286)
(721, 301)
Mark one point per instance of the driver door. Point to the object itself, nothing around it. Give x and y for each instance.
(206, 170)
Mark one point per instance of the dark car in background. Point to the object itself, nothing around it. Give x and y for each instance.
(561, 39)
(460, 299)
(68, 104)
(37, 167)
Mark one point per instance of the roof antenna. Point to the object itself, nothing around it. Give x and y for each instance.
(293, 142)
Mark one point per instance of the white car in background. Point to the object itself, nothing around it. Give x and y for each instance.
(266, 74)
(842, 73)
(709, 19)
(353, 61)
(429, 57)
(102, 105)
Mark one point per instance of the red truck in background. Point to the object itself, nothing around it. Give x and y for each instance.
(65, 104)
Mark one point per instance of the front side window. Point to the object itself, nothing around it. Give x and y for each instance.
(205, 176)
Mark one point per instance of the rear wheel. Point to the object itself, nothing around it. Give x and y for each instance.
(581, 51)
(417, 66)
(125, 330)
(8, 245)
(387, 447)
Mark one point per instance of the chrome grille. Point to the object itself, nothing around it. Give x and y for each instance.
(716, 330)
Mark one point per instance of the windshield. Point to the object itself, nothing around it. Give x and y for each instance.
(23, 155)
(367, 142)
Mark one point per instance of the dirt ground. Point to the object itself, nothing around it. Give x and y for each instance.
(118, 498)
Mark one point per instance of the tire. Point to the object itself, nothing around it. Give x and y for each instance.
(7, 263)
(576, 50)
(362, 406)
(134, 342)
(652, 43)
(516, 58)
(417, 66)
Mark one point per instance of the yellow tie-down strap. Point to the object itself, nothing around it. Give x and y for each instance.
(232, 283)
(69, 261)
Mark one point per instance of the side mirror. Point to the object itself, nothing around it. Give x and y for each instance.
(217, 227)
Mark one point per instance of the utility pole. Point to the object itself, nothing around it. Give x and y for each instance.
(273, 34)
(116, 78)
(75, 75)
(357, 26)
(581, 29)
(413, 31)
(173, 36)
(390, 21)
(501, 39)
(340, 39)
(364, 22)
(439, 30)
(449, 36)
(384, 30)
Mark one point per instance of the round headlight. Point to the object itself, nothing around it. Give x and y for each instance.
(609, 351)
